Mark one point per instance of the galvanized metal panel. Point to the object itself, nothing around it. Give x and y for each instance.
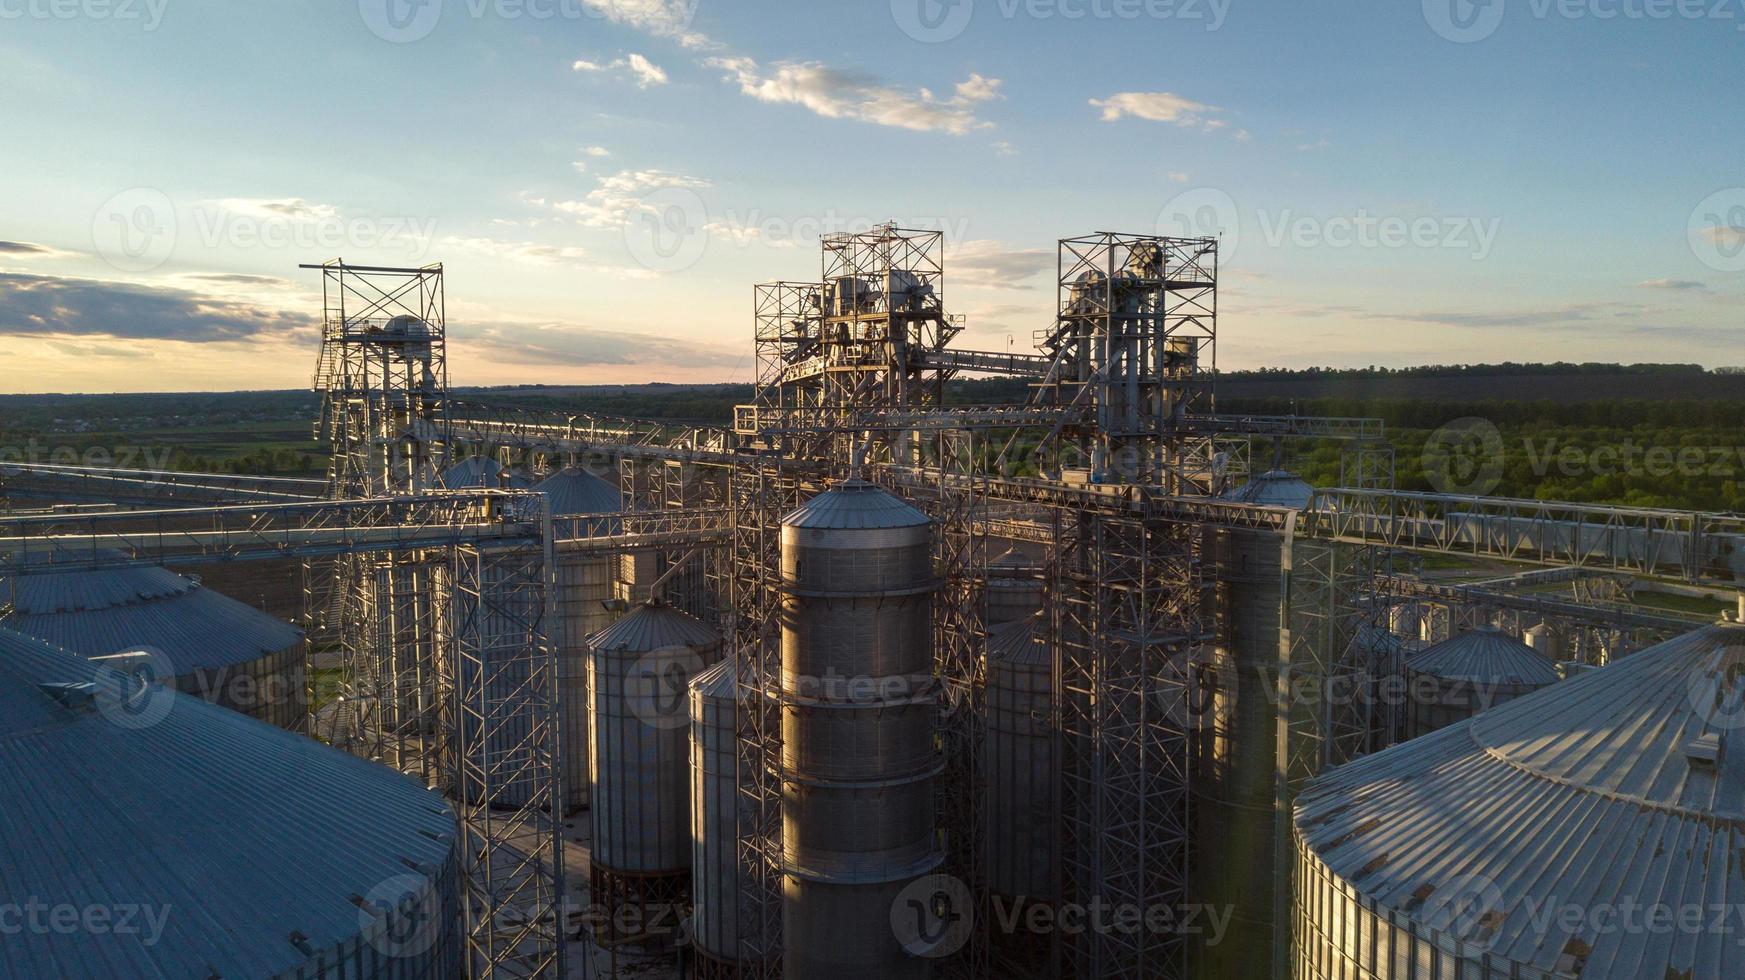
(1582, 795)
(251, 843)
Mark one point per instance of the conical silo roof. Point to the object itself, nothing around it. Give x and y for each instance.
(855, 505)
(99, 611)
(254, 842)
(1623, 784)
(574, 491)
(1274, 488)
(1484, 655)
(1019, 644)
(655, 626)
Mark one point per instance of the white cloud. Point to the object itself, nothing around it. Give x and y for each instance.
(1004, 148)
(646, 73)
(618, 198)
(837, 94)
(1158, 107)
(1179, 177)
(278, 209)
(1674, 284)
(530, 252)
(992, 264)
(597, 151)
(669, 19)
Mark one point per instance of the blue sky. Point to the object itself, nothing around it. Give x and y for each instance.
(1396, 182)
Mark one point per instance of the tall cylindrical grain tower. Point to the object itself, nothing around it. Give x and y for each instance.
(858, 715)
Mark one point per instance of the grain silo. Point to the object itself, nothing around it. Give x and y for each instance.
(1235, 786)
(1021, 796)
(584, 593)
(858, 751)
(1516, 843)
(722, 878)
(210, 644)
(1014, 587)
(1475, 671)
(639, 681)
(203, 843)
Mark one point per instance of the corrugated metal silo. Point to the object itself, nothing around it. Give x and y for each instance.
(214, 647)
(1020, 765)
(1472, 672)
(1512, 844)
(207, 843)
(1014, 587)
(584, 588)
(1235, 790)
(721, 879)
(639, 684)
(858, 751)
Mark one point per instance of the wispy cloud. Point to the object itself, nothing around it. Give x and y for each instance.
(576, 346)
(1165, 107)
(620, 197)
(32, 250)
(1682, 285)
(670, 19)
(646, 73)
(839, 94)
(55, 306)
(995, 265)
(294, 209)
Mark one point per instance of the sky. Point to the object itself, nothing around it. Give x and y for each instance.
(1394, 182)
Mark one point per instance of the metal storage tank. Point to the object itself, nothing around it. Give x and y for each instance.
(212, 844)
(584, 588)
(210, 644)
(1472, 672)
(1020, 767)
(1546, 642)
(1235, 793)
(639, 681)
(1014, 587)
(721, 700)
(1442, 857)
(858, 751)
(480, 473)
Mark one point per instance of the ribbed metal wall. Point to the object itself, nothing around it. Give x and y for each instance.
(584, 586)
(858, 761)
(720, 877)
(1236, 793)
(1473, 672)
(638, 682)
(1021, 766)
(263, 853)
(1515, 844)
